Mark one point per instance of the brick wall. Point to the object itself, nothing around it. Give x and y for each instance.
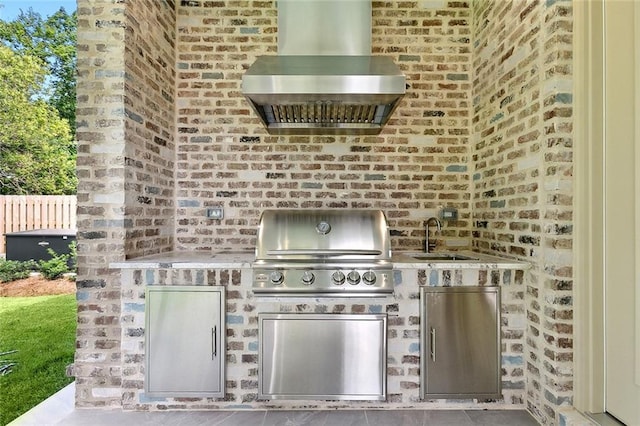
(225, 158)
(126, 131)
(100, 216)
(485, 127)
(150, 126)
(522, 174)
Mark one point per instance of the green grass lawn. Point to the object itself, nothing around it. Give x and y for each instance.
(42, 330)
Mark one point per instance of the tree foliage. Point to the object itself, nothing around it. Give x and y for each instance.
(36, 155)
(53, 41)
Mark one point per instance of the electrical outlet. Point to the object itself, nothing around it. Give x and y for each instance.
(215, 213)
(449, 213)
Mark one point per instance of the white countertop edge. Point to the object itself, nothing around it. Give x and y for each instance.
(241, 260)
(188, 260)
(460, 265)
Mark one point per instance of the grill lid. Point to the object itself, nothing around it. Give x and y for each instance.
(333, 235)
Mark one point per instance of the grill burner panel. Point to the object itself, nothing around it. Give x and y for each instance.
(323, 253)
(321, 282)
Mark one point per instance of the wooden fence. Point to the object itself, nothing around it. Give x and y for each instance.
(27, 212)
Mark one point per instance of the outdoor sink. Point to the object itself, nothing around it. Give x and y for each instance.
(441, 256)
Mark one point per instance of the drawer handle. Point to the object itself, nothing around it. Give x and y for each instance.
(214, 343)
(432, 349)
(43, 243)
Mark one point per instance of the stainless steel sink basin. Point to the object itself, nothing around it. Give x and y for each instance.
(441, 257)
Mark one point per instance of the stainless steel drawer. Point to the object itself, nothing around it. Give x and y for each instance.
(322, 356)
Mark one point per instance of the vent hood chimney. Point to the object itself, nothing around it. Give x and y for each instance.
(324, 79)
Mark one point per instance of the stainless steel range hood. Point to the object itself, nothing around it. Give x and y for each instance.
(324, 79)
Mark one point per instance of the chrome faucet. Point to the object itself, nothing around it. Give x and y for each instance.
(428, 246)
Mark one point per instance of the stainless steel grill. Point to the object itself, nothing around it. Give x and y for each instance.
(323, 253)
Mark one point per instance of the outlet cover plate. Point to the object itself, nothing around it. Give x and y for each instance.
(215, 213)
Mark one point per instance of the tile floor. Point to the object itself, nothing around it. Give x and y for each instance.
(59, 410)
(604, 419)
(307, 418)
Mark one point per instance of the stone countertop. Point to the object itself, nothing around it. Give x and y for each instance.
(469, 260)
(190, 260)
(244, 259)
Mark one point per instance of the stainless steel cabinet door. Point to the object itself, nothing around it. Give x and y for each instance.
(185, 341)
(322, 356)
(460, 342)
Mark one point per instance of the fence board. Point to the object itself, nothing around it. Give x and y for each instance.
(27, 212)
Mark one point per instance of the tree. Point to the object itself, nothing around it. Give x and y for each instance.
(53, 41)
(35, 143)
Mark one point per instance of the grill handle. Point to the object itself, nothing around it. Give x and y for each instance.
(326, 252)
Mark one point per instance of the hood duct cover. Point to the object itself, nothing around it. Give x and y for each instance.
(337, 87)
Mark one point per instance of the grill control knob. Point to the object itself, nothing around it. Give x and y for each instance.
(276, 277)
(308, 278)
(369, 277)
(338, 277)
(353, 277)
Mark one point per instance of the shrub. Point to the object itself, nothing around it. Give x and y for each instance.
(58, 265)
(73, 253)
(54, 267)
(11, 270)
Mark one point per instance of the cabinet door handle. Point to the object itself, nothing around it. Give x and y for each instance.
(214, 342)
(432, 348)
